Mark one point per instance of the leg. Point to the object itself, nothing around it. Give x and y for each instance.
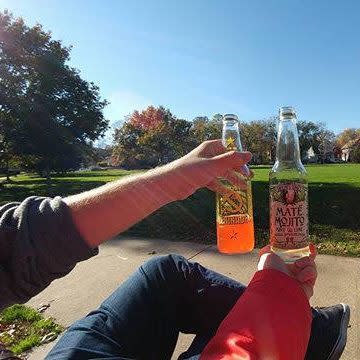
(327, 339)
(143, 317)
(328, 332)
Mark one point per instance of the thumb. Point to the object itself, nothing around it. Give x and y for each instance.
(264, 250)
(233, 159)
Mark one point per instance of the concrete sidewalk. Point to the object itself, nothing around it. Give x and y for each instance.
(81, 291)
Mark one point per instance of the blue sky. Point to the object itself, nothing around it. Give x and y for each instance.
(200, 57)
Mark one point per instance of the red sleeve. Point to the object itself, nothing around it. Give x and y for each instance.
(271, 320)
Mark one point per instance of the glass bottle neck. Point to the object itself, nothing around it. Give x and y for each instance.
(287, 147)
(231, 136)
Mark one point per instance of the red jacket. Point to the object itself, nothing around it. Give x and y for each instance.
(270, 321)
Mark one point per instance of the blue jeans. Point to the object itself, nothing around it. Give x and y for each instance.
(142, 319)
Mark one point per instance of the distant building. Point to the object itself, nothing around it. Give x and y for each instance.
(311, 156)
(326, 154)
(347, 149)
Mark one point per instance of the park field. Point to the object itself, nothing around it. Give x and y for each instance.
(334, 199)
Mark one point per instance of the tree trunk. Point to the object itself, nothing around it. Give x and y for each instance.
(7, 172)
(48, 174)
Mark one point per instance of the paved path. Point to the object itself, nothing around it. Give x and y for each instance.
(91, 281)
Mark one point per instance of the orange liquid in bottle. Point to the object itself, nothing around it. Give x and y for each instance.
(234, 210)
(235, 224)
(238, 238)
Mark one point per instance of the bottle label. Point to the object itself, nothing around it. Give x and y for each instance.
(235, 207)
(289, 227)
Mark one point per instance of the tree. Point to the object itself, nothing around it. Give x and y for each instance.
(148, 119)
(347, 135)
(102, 155)
(259, 137)
(327, 144)
(205, 129)
(151, 138)
(309, 136)
(199, 128)
(8, 132)
(217, 118)
(355, 154)
(215, 127)
(57, 113)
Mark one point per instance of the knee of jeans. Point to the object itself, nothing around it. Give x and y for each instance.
(167, 266)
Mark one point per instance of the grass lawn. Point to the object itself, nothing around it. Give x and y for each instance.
(334, 198)
(334, 205)
(25, 185)
(22, 328)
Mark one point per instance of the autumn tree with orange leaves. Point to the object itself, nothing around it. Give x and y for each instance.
(151, 137)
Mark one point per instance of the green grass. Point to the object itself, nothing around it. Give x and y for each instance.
(19, 312)
(334, 204)
(334, 199)
(22, 328)
(25, 185)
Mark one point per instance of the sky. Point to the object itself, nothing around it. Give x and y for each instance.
(201, 57)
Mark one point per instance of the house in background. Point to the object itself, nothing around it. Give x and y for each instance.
(311, 156)
(325, 155)
(347, 149)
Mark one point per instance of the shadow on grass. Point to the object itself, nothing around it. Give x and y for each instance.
(336, 205)
(261, 166)
(79, 174)
(88, 174)
(329, 204)
(63, 187)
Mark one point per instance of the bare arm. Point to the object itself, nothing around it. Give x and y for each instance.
(104, 212)
(38, 239)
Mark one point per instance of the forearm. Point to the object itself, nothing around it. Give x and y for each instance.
(104, 212)
(271, 320)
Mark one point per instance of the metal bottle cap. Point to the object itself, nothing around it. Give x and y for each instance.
(230, 117)
(287, 112)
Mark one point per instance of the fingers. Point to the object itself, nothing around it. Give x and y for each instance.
(308, 289)
(303, 262)
(211, 148)
(274, 262)
(307, 260)
(303, 270)
(264, 250)
(233, 160)
(307, 275)
(313, 251)
(218, 187)
(245, 171)
(235, 179)
(305, 267)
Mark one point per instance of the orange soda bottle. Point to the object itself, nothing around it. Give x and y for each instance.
(234, 211)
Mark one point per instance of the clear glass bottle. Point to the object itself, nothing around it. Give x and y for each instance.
(289, 224)
(234, 211)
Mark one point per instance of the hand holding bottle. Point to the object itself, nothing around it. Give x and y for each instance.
(302, 270)
(203, 166)
(289, 223)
